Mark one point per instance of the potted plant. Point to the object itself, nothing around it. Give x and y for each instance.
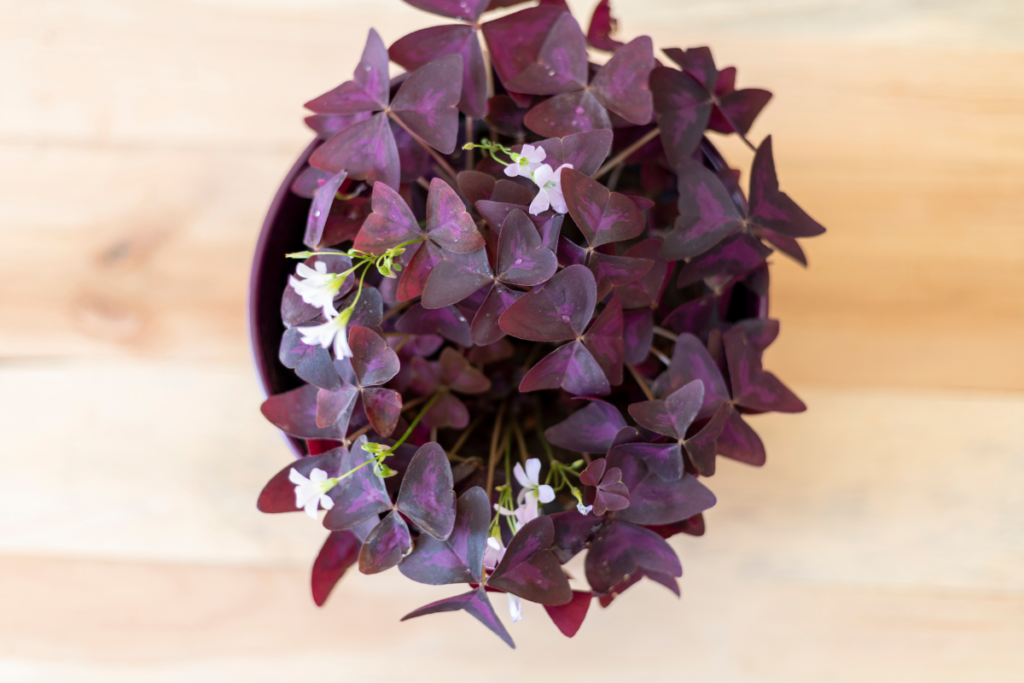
(510, 307)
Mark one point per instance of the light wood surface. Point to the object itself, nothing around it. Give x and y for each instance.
(140, 144)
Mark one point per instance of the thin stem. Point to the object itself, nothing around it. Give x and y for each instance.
(412, 426)
(363, 430)
(621, 156)
(660, 356)
(641, 381)
(422, 182)
(433, 152)
(465, 435)
(540, 435)
(396, 309)
(523, 454)
(613, 182)
(469, 138)
(493, 459)
(667, 334)
(433, 434)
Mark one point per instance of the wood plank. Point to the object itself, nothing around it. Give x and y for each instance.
(913, 159)
(164, 462)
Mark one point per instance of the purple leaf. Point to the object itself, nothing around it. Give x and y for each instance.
(447, 322)
(738, 441)
(621, 84)
(729, 259)
(427, 102)
(787, 245)
(558, 311)
(699, 63)
(413, 158)
(448, 223)
(570, 367)
(572, 112)
(638, 334)
(692, 317)
(584, 151)
(361, 495)
(620, 549)
(491, 353)
(383, 408)
(522, 258)
(475, 603)
(672, 416)
(530, 569)
(320, 209)
(475, 185)
(691, 361)
(589, 430)
(772, 208)
(366, 150)
(339, 552)
(753, 387)
(602, 216)
(327, 125)
(760, 331)
(683, 109)
(414, 278)
(391, 223)
(369, 308)
(460, 376)
(310, 362)
(279, 493)
(335, 407)
(736, 110)
(646, 291)
(569, 617)
(448, 411)
(657, 501)
(426, 496)
(572, 533)
(310, 180)
(420, 47)
(610, 493)
(604, 341)
(372, 359)
(538, 51)
(663, 459)
(294, 413)
(504, 116)
(602, 26)
(459, 559)
(368, 89)
(485, 328)
(386, 545)
(455, 277)
(612, 272)
(344, 220)
(463, 10)
(707, 213)
(702, 446)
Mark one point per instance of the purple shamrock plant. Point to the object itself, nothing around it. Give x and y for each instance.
(545, 352)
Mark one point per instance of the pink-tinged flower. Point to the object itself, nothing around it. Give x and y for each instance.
(312, 492)
(526, 162)
(334, 331)
(515, 607)
(550, 194)
(493, 553)
(317, 287)
(533, 491)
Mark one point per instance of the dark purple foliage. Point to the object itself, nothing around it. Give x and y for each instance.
(618, 344)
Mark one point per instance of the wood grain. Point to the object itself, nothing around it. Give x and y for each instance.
(140, 144)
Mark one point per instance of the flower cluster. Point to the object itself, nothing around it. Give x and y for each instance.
(545, 352)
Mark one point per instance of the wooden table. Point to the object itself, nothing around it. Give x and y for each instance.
(140, 143)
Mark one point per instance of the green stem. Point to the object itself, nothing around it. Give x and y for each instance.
(416, 421)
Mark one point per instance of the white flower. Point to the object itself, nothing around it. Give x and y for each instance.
(515, 607)
(532, 491)
(334, 330)
(526, 512)
(312, 491)
(318, 287)
(550, 194)
(584, 509)
(526, 162)
(493, 553)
